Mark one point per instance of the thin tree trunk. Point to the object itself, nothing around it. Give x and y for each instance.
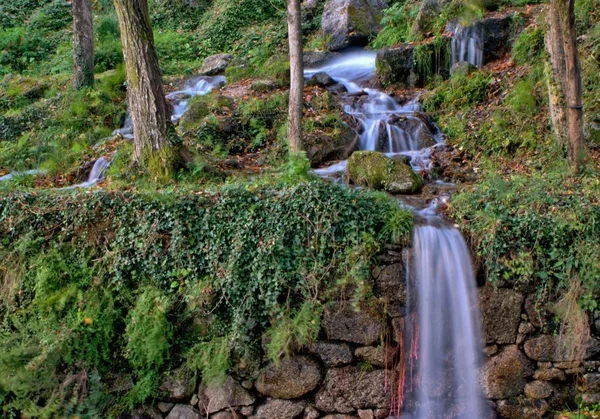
(572, 83)
(83, 44)
(148, 106)
(556, 76)
(296, 76)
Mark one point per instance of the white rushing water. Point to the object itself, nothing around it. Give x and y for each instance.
(24, 173)
(96, 174)
(448, 338)
(385, 125)
(467, 43)
(180, 99)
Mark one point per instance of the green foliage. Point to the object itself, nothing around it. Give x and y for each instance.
(539, 229)
(132, 283)
(459, 92)
(396, 24)
(529, 46)
(294, 330)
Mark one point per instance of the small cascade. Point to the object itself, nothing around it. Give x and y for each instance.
(198, 86)
(96, 175)
(448, 337)
(384, 124)
(467, 43)
(24, 173)
(180, 99)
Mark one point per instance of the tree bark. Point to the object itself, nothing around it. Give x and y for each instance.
(556, 76)
(296, 101)
(83, 44)
(150, 111)
(563, 11)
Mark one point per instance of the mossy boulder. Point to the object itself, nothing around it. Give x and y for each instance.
(377, 171)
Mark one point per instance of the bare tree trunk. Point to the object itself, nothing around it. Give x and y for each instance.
(148, 106)
(296, 76)
(562, 23)
(556, 76)
(83, 44)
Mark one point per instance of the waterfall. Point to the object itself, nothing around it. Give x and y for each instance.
(198, 86)
(448, 323)
(385, 125)
(467, 43)
(96, 174)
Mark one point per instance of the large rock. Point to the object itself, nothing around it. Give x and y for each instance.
(505, 373)
(351, 22)
(341, 322)
(398, 65)
(547, 348)
(538, 389)
(280, 409)
(312, 59)
(216, 397)
(215, 64)
(347, 389)
(377, 171)
(333, 354)
(500, 314)
(183, 411)
(292, 378)
(375, 356)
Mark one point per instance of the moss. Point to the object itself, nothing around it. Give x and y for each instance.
(375, 170)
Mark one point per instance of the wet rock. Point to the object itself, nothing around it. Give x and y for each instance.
(330, 144)
(313, 59)
(505, 373)
(341, 322)
(321, 79)
(280, 409)
(216, 397)
(500, 314)
(347, 389)
(520, 409)
(377, 171)
(418, 127)
(215, 64)
(538, 389)
(351, 22)
(374, 356)
(332, 354)
(224, 415)
(549, 374)
(178, 387)
(397, 65)
(183, 411)
(292, 378)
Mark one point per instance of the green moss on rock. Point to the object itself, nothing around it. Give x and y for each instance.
(377, 171)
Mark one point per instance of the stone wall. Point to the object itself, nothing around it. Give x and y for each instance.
(526, 372)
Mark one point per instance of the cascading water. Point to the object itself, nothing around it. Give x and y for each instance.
(467, 43)
(448, 335)
(24, 173)
(96, 175)
(180, 99)
(385, 124)
(440, 356)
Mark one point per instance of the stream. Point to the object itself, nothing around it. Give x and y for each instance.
(446, 333)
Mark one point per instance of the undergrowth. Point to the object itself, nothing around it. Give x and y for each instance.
(141, 284)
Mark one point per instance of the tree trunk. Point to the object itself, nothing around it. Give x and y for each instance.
(148, 106)
(83, 44)
(296, 76)
(562, 20)
(556, 76)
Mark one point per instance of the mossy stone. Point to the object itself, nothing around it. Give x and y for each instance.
(377, 171)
